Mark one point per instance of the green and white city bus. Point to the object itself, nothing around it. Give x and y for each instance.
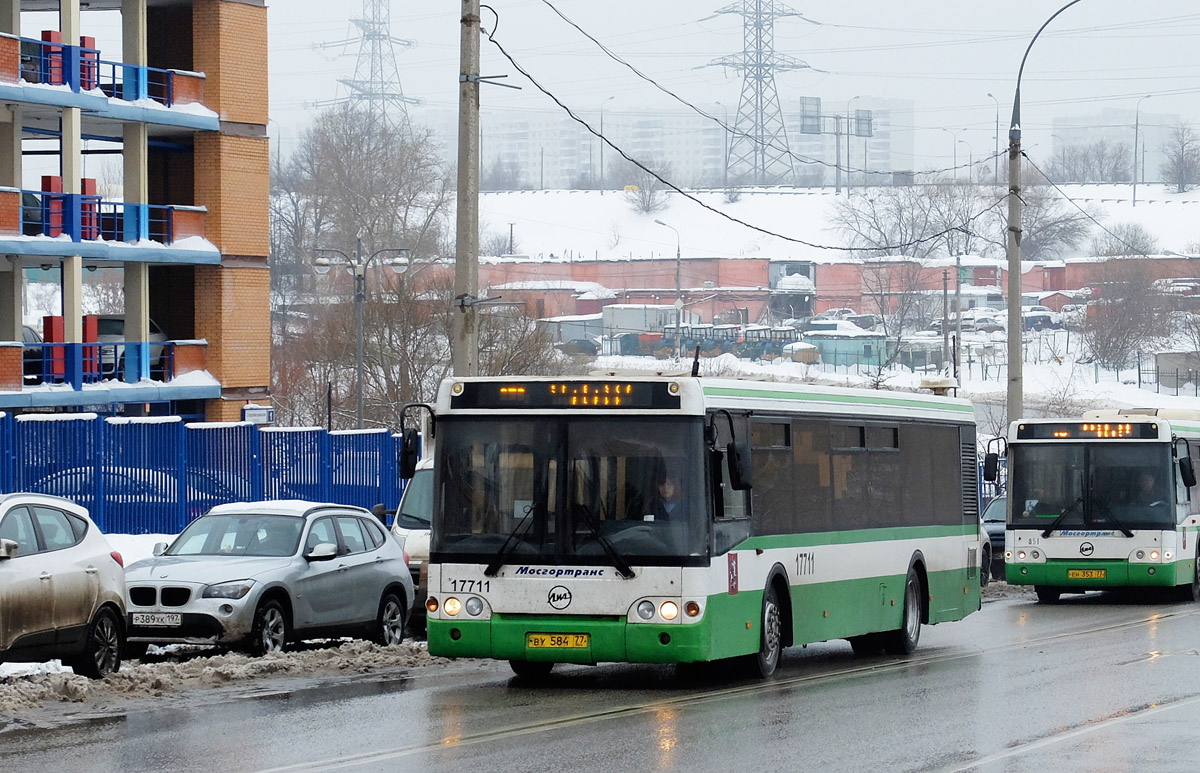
(1102, 502)
(801, 514)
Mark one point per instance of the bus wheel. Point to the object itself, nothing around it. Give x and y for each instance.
(904, 639)
(533, 669)
(1047, 595)
(771, 639)
(1191, 592)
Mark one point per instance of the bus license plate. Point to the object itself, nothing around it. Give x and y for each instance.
(1086, 574)
(557, 641)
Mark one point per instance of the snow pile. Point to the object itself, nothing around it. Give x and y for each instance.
(158, 679)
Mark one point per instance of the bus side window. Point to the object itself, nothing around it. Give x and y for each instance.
(732, 524)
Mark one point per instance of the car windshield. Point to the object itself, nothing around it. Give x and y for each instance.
(573, 491)
(1098, 486)
(240, 534)
(416, 506)
(995, 511)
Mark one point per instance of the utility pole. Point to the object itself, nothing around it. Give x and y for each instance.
(464, 343)
(957, 315)
(945, 316)
(510, 238)
(1136, 120)
(1016, 398)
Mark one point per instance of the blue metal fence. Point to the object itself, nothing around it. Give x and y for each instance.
(154, 475)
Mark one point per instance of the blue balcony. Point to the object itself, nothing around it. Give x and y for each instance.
(34, 71)
(52, 224)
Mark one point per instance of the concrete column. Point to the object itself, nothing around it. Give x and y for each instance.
(10, 16)
(11, 168)
(72, 166)
(11, 301)
(133, 31)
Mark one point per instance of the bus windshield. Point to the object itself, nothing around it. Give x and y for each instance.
(545, 490)
(1109, 486)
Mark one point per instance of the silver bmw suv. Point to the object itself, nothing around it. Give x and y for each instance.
(263, 574)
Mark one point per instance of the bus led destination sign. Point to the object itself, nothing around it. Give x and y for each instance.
(1088, 430)
(613, 395)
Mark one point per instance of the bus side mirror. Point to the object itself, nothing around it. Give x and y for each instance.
(740, 477)
(991, 463)
(1186, 472)
(409, 442)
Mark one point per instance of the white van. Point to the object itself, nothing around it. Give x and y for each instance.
(411, 529)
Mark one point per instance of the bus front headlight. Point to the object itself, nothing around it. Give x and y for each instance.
(474, 606)
(645, 610)
(669, 610)
(452, 606)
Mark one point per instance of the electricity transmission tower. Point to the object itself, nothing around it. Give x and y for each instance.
(758, 152)
(376, 82)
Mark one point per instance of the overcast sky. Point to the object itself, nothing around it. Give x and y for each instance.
(945, 55)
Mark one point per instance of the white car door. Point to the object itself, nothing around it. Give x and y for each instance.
(75, 582)
(26, 593)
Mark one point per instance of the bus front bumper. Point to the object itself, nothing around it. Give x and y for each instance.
(609, 639)
(1097, 575)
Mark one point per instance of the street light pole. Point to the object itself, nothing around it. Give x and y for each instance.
(996, 142)
(1136, 118)
(1015, 404)
(954, 133)
(358, 264)
(971, 157)
(848, 135)
(678, 297)
(602, 104)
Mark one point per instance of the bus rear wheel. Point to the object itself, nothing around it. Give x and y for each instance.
(1046, 594)
(903, 640)
(532, 669)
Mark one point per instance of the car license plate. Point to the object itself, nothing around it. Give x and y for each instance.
(153, 620)
(557, 641)
(1086, 574)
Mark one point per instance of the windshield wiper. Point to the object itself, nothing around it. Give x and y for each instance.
(618, 562)
(1062, 515)
(502, 553)
(1108, 514)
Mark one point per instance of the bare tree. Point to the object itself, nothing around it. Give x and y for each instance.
(1131, 315)
(1125, 239)
(351, 179)
(1182, 167)
(644, 191)
(1050, 225)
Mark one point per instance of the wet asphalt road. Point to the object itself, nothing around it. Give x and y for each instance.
(1095, 683)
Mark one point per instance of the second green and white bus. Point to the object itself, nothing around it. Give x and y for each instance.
(1102, 502)
(807, 514)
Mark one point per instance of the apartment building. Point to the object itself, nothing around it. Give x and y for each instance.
(181, 99)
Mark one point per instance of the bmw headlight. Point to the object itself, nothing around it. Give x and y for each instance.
(235, 589)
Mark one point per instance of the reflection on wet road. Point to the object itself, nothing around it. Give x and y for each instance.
(1097, 682)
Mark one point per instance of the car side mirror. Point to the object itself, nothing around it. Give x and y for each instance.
(380, 511)
(160, 548)
(8, 548)
(1187, 472)
(409, 445)
(323, 551)
(991, 463)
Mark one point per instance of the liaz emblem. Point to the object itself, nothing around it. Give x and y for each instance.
(733, 578)
(559, 597)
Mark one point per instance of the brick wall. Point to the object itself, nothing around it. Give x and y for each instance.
(224, 410)
(233, 314)
(10, 212)
(187, 89)
(233, 182)
(11, 367)
(10, 59)
(185, 223)
(230, 48)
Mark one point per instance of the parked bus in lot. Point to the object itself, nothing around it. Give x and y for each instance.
(1103, 502)
(677, 519)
